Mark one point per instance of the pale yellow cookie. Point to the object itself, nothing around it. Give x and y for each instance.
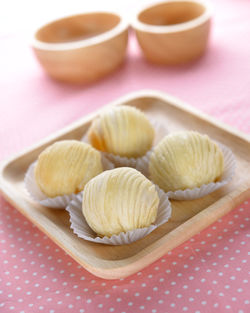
(123, 131)
(184, 160)
(66, 166)
(119, 200)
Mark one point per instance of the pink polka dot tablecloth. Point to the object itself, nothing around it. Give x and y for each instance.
(208, 273)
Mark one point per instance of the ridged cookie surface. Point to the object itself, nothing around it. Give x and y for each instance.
(119, 200)
(123, 131)
(184, 160)
(66, 166)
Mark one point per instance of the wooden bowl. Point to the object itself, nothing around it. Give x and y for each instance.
(173, 32)
(82, 48)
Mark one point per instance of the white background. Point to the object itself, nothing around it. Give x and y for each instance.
(24, 16)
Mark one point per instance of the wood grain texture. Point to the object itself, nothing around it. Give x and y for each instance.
(188, 218)
(82, 48)
(173, 32)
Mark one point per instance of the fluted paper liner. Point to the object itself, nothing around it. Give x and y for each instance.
(119, 161)
(81, 228)
(59, 202)
(195, 193)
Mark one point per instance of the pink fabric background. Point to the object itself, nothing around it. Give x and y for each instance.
(210, 272)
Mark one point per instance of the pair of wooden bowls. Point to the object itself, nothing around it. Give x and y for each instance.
(86, 47)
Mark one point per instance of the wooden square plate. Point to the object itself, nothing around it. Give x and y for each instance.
(188, 218)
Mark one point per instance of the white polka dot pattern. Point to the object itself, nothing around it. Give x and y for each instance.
(209, 272)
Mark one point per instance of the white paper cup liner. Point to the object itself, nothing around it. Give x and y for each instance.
(160, 132)
(195, 193)
(59, 202)
(81, 228)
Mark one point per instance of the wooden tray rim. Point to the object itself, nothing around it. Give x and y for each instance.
(114, 269)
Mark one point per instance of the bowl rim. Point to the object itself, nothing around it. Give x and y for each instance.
(77, 44)
(162, 29)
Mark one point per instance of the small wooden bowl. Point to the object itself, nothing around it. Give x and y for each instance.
(82, 48)
(173, 32)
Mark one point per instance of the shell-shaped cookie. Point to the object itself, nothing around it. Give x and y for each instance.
(185, 159)
(123, 131)
(66, 166)
(119, 200)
